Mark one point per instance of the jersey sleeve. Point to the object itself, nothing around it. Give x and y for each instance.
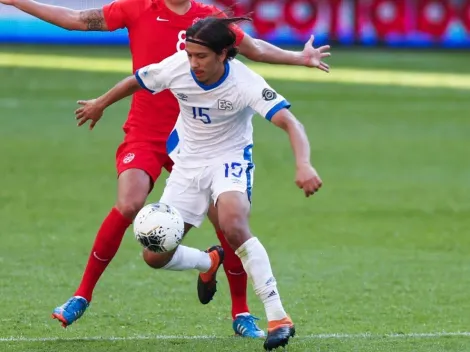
(238, 33)
(236, 29)
(262, 98)
(153, 78)
(114, 15)
(121, 13)
(158, 77)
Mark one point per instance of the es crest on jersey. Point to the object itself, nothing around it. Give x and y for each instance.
(225, 105)
(269, 94)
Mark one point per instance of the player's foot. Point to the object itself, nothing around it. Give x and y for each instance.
(206, 282)
(245, 325)
(279, 333)
(71, 310)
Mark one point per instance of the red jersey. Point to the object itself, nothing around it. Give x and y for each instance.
(155, 33)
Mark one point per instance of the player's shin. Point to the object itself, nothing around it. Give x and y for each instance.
(183, 258)
(236, 276)
(104, 249)
(256, 263)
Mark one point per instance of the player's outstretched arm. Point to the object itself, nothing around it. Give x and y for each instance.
(93, 109)
(306, 176)
(84, 20)
(261, 51)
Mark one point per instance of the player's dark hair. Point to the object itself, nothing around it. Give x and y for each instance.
(216, 34)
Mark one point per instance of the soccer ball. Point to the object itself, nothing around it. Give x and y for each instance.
(159, 227)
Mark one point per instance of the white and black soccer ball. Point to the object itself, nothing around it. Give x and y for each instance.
(159, 227)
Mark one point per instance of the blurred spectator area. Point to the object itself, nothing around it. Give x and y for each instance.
(408, 23)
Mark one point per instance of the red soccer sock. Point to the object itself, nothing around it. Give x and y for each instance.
(237, 278)
(104, 249)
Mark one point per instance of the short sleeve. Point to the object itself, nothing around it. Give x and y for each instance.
(153, 78)
(115, 15)
(236, 29)
(262, 98)
(122, 13)
(157, 77)
(239, 34)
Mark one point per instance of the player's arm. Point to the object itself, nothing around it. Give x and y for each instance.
(153, 78)
(123, 89)
(274, 107)
(306, 176)
(93, 109)
(261, 51)
(285, 120)
(80, 20)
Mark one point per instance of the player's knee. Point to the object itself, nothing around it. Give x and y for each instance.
(129, 207)
(236, 230)
(213, 217)
(133, 188)
(156, 260)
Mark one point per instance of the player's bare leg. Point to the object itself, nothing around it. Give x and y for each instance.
(233, 210)
(243, 323)
(133, 188)
(187, 258)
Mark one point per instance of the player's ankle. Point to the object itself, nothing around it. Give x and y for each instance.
(215, 261)
(84, 295)
(286, 321)
(241, 314)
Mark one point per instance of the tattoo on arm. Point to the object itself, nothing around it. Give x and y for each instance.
(94, 19)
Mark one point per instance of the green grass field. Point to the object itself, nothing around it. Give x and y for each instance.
(377, 261)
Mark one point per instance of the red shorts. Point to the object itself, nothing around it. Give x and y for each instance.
(147, 156)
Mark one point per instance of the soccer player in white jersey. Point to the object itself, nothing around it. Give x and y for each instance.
(211, 146)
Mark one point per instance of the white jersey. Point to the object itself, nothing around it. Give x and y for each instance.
(215, 120)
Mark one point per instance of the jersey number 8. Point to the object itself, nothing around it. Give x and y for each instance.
(181, 43)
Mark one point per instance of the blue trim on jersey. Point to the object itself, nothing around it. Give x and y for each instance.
(216, 84)
(172, 141)
(248, 156)
(279, 106)
(141, 83)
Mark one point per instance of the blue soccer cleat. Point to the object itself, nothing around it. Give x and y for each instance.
(245, 325)
(71, 310)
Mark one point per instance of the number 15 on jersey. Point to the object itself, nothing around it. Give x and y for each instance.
(200, 114)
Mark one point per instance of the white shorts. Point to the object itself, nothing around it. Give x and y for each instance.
(190, 190)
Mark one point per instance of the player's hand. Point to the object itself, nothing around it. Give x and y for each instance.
(307, 179)
(90, 110)
(8, 2)
(313, 56)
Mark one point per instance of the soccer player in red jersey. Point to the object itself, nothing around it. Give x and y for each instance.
(156, 31)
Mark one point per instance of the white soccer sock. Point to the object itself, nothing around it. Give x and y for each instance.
(186, 258)
(255, 260)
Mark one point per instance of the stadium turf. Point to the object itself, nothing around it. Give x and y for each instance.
(377, 261)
